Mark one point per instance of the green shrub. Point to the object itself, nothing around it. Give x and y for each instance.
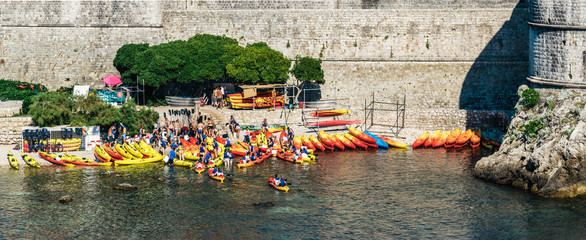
(530, 98)
(50, 109)
(532, 128)
(17, 90)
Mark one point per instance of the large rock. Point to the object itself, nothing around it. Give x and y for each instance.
(125, 187)
(551, 162)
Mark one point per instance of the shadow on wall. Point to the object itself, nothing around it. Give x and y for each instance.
(489, 91)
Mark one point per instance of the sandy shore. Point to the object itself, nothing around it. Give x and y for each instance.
(406, 136)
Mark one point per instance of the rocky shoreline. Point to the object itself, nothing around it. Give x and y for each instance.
(544, 150)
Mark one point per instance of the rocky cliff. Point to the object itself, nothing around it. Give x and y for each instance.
(544, 149)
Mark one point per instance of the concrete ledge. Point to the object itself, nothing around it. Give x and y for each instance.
(551, 82)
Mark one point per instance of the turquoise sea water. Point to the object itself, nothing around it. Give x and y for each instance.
(382, 194)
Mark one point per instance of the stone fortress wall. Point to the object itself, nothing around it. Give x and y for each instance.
(558, 42)
(453, 60)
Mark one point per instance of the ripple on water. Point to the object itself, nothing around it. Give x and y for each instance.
(424, 193)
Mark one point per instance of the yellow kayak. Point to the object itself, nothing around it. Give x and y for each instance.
(29, 160)
(199, 167)
(217, 162)
(243, 165)
(182, 163)
(123, 151)
(143, 151)
(12, 160)
(132, 150)
(102, 153)
(139, 161)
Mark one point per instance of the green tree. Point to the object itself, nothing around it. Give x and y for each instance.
(209, 56)
(163, 63)
(307, 70)
(258, 63)
(126, 58)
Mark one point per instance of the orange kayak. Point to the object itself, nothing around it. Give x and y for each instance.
(463, 139)
(115, 155)
(324, 139)
(442, 140)
(362, 136)
(393, 143)
(434, 137)
(316, 143)
(347, 143)
(451, 140)
(474, 141)
(297, 143)
(307, 142)
(357, 142)
(421, 140)
(336, 142)
(330, 113)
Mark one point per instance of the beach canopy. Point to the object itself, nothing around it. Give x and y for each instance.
(111, 80)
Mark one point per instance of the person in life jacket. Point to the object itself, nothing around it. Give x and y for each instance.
(228, 157)
(271, 142)
(250, 149)
(246, 135)
(215, 172)
(208, 158)
(277, 181)
(304, 152)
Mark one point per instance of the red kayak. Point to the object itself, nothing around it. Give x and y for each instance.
(336, 142)
(362, 136)
(357, 142)
(316, 143)
(332, 123)
(261, 158)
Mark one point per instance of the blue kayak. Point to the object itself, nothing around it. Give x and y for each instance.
(379, 142)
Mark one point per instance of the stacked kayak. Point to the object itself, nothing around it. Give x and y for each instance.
(451, 139)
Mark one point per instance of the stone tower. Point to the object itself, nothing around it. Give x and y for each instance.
(557, 43)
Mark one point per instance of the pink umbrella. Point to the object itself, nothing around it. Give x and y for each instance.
(111, 80)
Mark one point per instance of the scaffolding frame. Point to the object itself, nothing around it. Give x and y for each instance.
(306, 111)
(370, 109)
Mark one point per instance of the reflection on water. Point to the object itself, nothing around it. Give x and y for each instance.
(371, 194)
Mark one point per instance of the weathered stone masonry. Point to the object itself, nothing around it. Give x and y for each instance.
(447, 57)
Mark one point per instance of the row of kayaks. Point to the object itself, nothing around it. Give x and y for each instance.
(452, 139)
(26, 158)
(353, 139)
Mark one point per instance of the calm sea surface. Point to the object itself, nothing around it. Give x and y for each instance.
(362, 194)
